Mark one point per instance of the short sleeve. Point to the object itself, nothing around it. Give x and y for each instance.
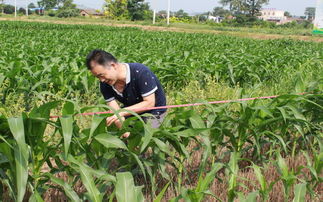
(147, 83)
(107, 92)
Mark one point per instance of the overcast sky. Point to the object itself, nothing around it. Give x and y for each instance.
(295, 7)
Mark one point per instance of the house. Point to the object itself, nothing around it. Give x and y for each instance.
(273, 15)
(216, 19)
(292, 19)
(90, 12)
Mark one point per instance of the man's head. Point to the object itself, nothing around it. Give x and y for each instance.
(103, 65)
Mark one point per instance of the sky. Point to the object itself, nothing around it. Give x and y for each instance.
(295, 7)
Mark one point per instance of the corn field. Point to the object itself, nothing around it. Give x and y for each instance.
(261, 150)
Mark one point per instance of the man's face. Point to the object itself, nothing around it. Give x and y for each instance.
(105, 73)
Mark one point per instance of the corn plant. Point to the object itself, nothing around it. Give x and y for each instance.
(202, 188)
(36, 68)
(265, 188)
(288, 176)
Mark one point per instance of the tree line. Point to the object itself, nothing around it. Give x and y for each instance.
(247, 10)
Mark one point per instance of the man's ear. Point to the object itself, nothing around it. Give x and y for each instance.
(114, 65)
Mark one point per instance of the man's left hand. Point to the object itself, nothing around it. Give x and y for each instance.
(114, 119)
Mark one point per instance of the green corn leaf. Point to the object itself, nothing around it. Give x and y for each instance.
(139, 163)
(310, 166)
(261, 179)
(233, 173)
(112, 196)
(70, 193)
(44, 110)
(149, 131)
(283, 113)
(67, 130)
(279, 138)
(5, 141)
(125, 188)
(207, 151)
(161, 145)
(204, 184)
(88, 181)
(265, 111)
(110, 141)
(282, 165)
(139, 195)
(35, 197)
(21, 160)
(2, 77)
(21, 154)
(84, 81)
(96, 121)
(68, 108)
(251, 197)
(189, 132)
(197, 122)
(16, 126)
(299, 192)
(296, 113)
(7, 151)
(161, 193)
(100, 174)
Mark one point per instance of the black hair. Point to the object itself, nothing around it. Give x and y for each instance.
(99, 56)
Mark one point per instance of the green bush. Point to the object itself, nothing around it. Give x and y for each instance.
(51, 13)
(246, 21)
(66, 13)
(305, 24)
(8, 9)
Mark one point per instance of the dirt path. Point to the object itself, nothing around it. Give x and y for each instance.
(260, 36)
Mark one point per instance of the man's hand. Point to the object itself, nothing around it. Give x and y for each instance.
(125, 135)
(114, 119)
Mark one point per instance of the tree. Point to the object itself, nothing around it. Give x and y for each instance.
(2, 6)
(220, 11)
(310, 13)
(116, 9)
(8, 9)
(162, 14)
(31, 5)
(287, 14)
(234, 5)
(249, 7)
(22, 10)
(68, 4)
(181, 14)
(138, 10)
(48, 4)
(67, 9)
(252, 7)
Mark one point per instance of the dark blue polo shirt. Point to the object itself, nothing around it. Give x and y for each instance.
(140, 82)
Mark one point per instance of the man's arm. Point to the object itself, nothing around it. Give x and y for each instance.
(114, 119)
(148, 101)
(113, 104)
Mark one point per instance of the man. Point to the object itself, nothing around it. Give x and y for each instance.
(132, 84)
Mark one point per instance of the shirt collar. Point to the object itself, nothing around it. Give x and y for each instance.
(128, 78)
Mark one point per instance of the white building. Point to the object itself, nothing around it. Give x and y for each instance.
(271, 14)
(216, 19)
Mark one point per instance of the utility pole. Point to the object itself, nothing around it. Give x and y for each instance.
(154, 17)
(168, 8)
(27, 8)
(15, 8)
(2, 6)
